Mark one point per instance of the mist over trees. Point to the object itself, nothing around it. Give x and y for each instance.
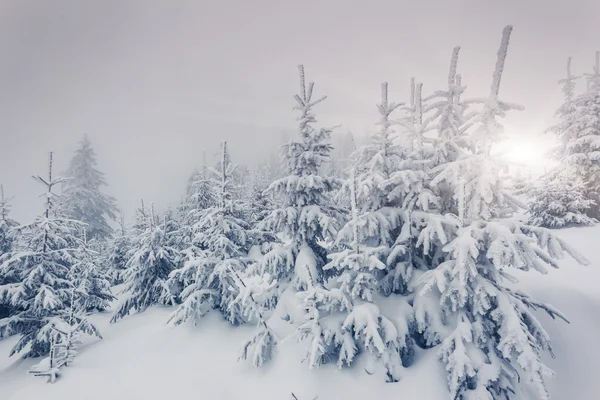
(371, 252)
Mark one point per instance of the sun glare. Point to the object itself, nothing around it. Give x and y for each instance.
(528, 154)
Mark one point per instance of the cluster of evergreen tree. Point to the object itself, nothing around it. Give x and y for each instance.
(405, 245)
(408, 249)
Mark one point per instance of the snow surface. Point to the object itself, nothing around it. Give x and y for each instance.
(141, 357)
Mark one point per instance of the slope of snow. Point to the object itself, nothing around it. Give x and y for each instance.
(142, 358)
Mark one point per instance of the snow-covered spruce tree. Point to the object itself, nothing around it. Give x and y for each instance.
(344, 317)
(304, 220)
(407, 189)
(119, 252)
(375, 162)
(566, 113)
(520, 184)
(260, 204)
(306, 216)
(89, 278)
(6, 224)
(424, 204)
(452, 121)
(221, 244)
(558, 200)
(65, 338)
(140, 221)
(254, 293)
(83, 199)
(148, 268)
(489, 339)
(199, 194)
(172, 227)
(7, 241)
(40, 297)
(578, 131)
(563, 197)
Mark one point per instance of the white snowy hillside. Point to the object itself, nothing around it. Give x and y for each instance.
(143, 358)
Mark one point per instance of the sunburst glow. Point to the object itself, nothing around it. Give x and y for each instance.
(529, 152)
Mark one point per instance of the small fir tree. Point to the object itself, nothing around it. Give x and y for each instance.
(119, 252)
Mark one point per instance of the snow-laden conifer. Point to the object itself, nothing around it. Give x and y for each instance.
(119, 252)
(306, 216)
(7, 242)
(90, 278)
(578, 132)
(451, 121)
(152, 260)
(200, 194)
(220, 251)
(253, 293)
(259, 203)
(489, 339)
(557, 200)
(344, 317)
(65, 338)
(408, 190)
(6, 223)
(82, 198)
(41, 295)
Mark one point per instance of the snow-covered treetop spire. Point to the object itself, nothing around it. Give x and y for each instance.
(49, 184)
(122, 224)
(412, 92)
(418, 116)
(152, 217)
(305, 97)
(568, 83)
(593, 78)
(4, 205)
(489, 130)
(502, 51)
(353, 199)
(452, 122)
(385, 109)
(224, 177)
(454, 78)
(314, 152)
(418, 99)
(453, 66)
(413, 121)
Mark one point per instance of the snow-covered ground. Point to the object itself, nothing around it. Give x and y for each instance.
(142, 358)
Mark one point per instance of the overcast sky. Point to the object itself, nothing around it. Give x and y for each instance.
(154, 84)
